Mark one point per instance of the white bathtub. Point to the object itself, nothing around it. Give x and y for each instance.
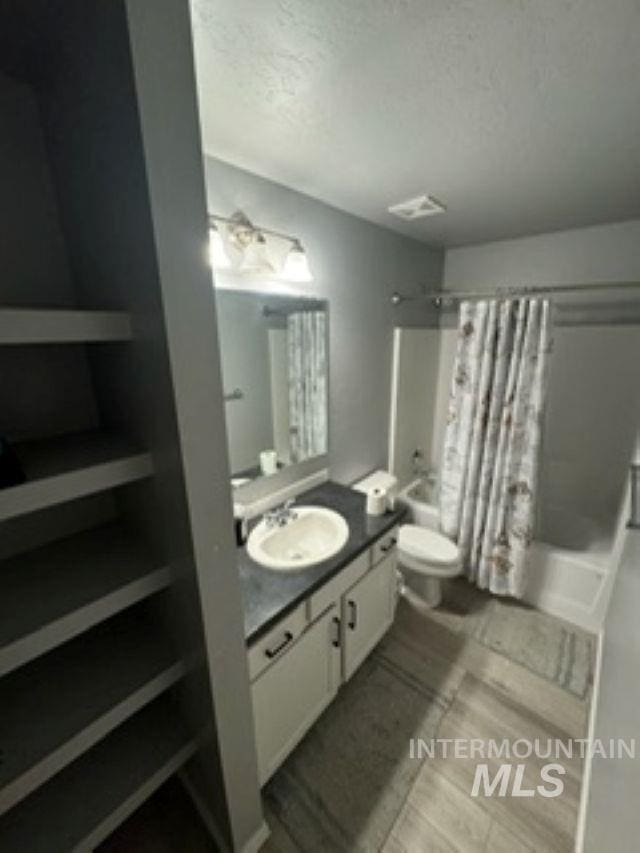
(420, 500)
(567, 575)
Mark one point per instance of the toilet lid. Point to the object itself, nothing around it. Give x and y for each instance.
(427, 545)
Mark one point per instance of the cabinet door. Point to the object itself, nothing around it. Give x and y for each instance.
(367, 613)
(290, 695)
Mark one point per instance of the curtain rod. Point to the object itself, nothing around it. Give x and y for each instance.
(444, 298)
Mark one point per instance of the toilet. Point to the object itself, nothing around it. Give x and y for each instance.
(427, 558)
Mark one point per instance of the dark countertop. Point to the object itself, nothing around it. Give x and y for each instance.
(268, 595)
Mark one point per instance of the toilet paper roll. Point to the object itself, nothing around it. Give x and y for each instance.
(376, 501)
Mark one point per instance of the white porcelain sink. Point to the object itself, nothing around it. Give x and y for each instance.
(314, 535)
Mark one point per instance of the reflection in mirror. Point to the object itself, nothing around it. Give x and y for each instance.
(274, 370)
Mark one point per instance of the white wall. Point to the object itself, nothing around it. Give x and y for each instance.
(594, 394)
(415, 374)
(356, 266)
(582, 255)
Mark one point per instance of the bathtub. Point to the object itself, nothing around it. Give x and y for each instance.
(568, 574)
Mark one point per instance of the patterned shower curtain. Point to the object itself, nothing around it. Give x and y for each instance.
(492, 441)
(306, 348)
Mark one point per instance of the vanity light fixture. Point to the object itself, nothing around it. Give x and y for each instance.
(296, 265)
(255, 258)
(235, 243)
(218, 257)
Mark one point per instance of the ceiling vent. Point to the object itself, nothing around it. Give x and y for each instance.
(415, 208)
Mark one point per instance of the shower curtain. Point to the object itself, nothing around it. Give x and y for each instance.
(492, 440)
(306, 351)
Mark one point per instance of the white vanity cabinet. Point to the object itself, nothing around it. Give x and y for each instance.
(297, 668)
(292, 693)
(367, 613)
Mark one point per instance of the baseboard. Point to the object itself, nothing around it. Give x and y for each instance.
(586, 775)
(257, 840)
(252, 846)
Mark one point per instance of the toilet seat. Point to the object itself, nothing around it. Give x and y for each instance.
(437, 554)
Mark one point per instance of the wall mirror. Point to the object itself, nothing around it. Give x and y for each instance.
(274, 352)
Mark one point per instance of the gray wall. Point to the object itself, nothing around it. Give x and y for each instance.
(33, 259)
(42, 392)
(244, 347)
(356, 266)
(593, 409)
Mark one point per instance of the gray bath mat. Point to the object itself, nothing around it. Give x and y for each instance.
(549, 647)
(344, 786)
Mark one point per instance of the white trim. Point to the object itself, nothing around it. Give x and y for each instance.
(393, 407)
(254, 844)
(586, 775)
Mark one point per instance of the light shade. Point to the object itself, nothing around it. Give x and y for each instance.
(218, 257)
(296, 266)
(256, 258)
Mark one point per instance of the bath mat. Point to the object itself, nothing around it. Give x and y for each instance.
(343, 787)
(549, 647)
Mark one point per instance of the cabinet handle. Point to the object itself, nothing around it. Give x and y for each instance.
(336, 640)
(386, 548)
(353, 607)
(271, 653)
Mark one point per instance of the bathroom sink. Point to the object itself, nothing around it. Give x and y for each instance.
(312, 535)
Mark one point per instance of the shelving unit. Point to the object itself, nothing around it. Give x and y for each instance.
(110, 781)
(54, 593)
(94, 699)
(88, 687)
(70, 467)
(58, 326)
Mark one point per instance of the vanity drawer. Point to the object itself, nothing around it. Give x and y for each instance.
(331, 591)
(384, 546)
(269, 648)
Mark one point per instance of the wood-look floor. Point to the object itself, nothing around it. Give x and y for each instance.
(495, 698)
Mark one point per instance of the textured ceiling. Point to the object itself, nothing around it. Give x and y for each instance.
(521, 115)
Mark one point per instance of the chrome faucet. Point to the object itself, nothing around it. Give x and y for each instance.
(281, 515)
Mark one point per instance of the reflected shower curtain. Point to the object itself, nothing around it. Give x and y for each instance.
(306, 350)
(492, 441)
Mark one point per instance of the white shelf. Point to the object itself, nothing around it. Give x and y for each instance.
(79, 807)
(70, 467)
(60, 706)
(56, 592)
(59, 326)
